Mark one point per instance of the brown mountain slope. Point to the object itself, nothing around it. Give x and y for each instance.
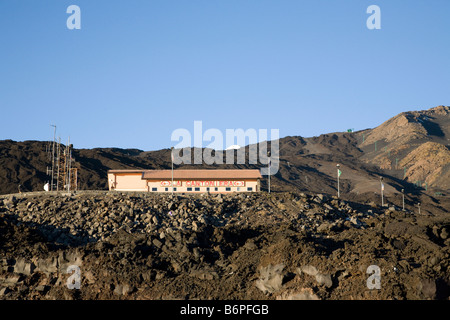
(306, 164)
(432, 124)
(409, 141)
(429, 163)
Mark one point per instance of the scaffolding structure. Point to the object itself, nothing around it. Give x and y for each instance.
(63, 173)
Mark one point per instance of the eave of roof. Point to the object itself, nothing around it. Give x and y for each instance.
(126, 171)
(203, 174)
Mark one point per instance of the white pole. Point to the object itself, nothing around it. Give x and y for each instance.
(339, 193)
(53, 155)
(68, 164)
(171, 157)
(59, 162)
(269, 169)
(403, 199)
(382, 194)
(338, 190)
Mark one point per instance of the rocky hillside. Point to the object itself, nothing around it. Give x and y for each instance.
(299, 242)
(413, 146)
(413, 125)
(235, 246)
(410, 151)
(429, 163)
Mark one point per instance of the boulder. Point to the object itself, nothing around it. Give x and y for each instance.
(204, 274)
(270, 279)
(324, 227)
(303, 294)
(157, 243)
(426, 288)
(308, 269)
(4, 291)
(122, 289)
(47, 266)
(23, 267)
(444, 233)
(354, 220)
(324, 279)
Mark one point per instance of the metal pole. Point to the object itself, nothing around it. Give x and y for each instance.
(53, 155)
(171, 157)
(59, 163)
(338, 190)
(268, 154)
(403, 199)
(69, 164)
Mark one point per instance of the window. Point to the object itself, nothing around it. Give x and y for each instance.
(189, 189)
(216, 189)
(207, 189)
(227, 189)
(174, 189)
(238, 189)
(154, 189)
(249, 189)
(197, 189)
(166, 189)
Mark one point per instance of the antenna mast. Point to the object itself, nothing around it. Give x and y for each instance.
(53, 155)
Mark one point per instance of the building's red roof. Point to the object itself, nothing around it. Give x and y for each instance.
(126, 171)
(203, 174)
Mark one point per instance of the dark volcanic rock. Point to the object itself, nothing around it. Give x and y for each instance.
(127, 246)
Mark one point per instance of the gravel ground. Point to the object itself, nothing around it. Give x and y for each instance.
(235, 246)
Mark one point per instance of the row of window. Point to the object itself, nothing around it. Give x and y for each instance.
(208, 189)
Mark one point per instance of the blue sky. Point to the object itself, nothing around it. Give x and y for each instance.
(139, 69)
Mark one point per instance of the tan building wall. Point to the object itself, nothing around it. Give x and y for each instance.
(136, 180)
(131, 181)
(212, 186)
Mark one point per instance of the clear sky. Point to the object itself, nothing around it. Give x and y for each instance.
(139, 69)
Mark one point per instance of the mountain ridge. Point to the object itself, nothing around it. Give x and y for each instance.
(408, 148)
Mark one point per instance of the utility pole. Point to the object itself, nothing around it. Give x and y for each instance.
(268, 155)
(58, 158)
(69, 164)
(338, 175)
(171, 157)
(53, 155)
(403, 199)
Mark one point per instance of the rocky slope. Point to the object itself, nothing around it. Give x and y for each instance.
(238, 246)
(299, 242)
(411, 147)
(429, 163)
(413, 125)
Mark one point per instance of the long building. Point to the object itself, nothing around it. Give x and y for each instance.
(185, 181)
